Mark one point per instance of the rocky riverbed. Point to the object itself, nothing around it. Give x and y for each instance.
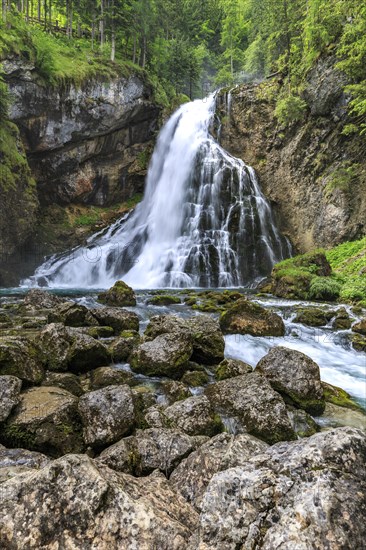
(140, 422)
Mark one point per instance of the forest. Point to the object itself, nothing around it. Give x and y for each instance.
(194, 46)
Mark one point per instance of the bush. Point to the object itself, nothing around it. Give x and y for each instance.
(324, 288)
(354, 289)
(290, 109)
(4, 100)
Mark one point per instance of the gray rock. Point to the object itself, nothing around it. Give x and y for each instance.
(72, 315)
(88, 505)
(10, 387)
(223, 451)
(14, 462)
(36, 299)
(229, 368)
(175, 391)
(66, 348)
(22, 358)
(325, 87)
(107, 415)
(109, 376)
(304, 494)
(166, 355)
(193, 416)
(258, 409)
(123, 346)
(149, 450)
(245, 317)
(45, 420)
(65, 380)
(119, 319)
(296, 376)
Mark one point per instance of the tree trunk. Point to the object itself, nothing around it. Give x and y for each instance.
(134, 49)
(101, 25)
(4, 10)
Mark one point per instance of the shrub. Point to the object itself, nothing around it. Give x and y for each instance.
(290, 109)
(354, 289)
(324, 288)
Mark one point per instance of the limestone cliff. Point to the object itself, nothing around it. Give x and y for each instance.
(86, 145)
(314, 175)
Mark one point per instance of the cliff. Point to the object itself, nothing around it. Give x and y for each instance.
(314, 175)
(86, 145)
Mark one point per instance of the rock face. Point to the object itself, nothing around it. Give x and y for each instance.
(306, 494)
(296, 376)
(90, 505)
(256, 407)
(311, 210)
(246, 317)
(46, 419)
(107, 415)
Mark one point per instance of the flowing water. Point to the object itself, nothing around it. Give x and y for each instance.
(203, 222)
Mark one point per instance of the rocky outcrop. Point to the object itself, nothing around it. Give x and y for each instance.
(314, 175)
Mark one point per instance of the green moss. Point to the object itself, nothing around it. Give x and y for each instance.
(164, 300)
(339, 397)
(342, 178)
(195, 379)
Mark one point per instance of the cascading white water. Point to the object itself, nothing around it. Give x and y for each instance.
(203, 222)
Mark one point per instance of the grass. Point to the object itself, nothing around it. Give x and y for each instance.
(94, 215)
(56, 58)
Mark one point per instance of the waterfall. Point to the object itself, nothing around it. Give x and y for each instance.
(203, 221)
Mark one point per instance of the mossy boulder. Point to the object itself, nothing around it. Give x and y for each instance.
(229, 368)
(246, 317)
(342, 320)
(37, 299)
(120, 295)
(359, 342)
(295, 376)
(166, 355)
(164, 300)
(119, 319)
(65, 380)
(122, 347)
(360, 327)
(109, 376)
(339, 397)
(175, 391)
(313, 317)
(195, 379)
(45, 420)
(72, 315)
(10, 387)
(100, 332)
(254, 405)
(303, 424)
(21, 357)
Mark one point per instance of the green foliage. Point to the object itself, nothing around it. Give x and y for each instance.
(290, 109)
(324, 288)
(342, 178)
(4, 99)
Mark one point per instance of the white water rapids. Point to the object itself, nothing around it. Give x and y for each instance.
(203, 221)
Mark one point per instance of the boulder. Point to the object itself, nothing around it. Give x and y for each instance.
(119, 319)
(107, 415)
(109, 376)
(67, 348)
(360, 327)
(119, 295)
(195, 379)
(304, 494)
(313, 317)
(246, 317)
(45, 420)
(20, 357)
(342, 320)
(207, 340)
(65, 380)
(88, 505)
(229, 368)
(223, 451)
(257, 408)
(14, 462)
(193, 416)
(10, 387)
(72, 315)
(36, 299)
(295, 376)
(153, 449)
(164, 300)
(122, 347)
(175, 391)
(166, 355)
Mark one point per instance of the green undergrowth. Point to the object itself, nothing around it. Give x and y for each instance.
(338, 274)
(14, 170)
(57, 59)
